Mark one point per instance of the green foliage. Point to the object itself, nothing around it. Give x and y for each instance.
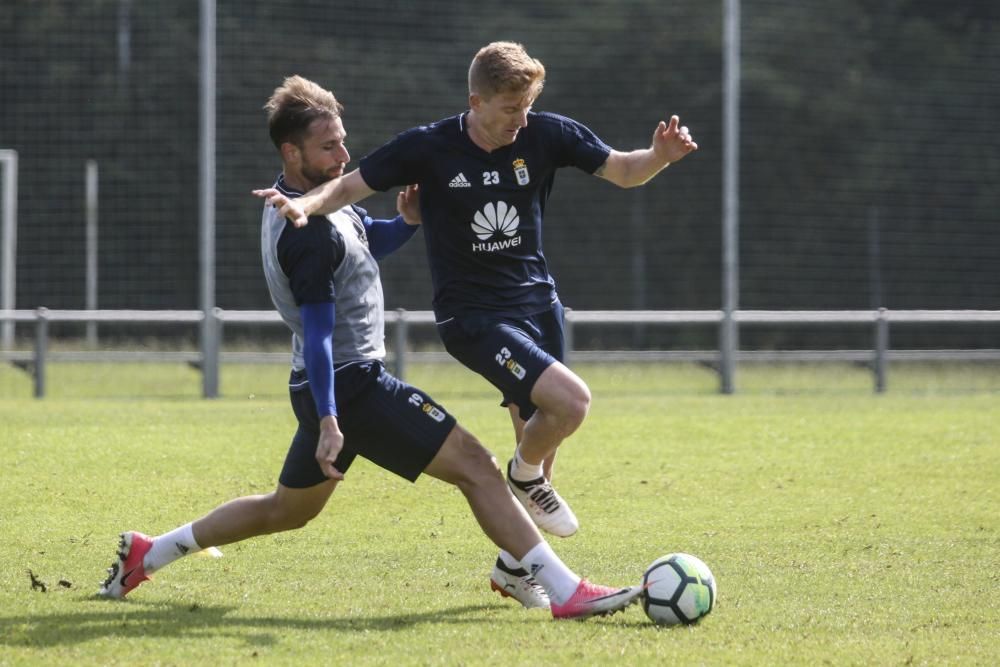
(841, 527)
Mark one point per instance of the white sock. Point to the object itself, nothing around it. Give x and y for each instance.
(169, 547)
(523, 471)
(559, 581)
(508, 559)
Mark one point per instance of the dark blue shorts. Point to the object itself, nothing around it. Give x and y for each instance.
(392, 424)
(510, 353)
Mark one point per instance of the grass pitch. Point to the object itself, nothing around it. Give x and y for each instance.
(842, 527)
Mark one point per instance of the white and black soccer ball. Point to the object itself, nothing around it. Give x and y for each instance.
(678, 589)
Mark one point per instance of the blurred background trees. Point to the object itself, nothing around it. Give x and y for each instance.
(870, 170)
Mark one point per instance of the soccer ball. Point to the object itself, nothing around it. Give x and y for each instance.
(679, 588)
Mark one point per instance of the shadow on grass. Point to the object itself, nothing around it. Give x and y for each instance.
(113, 618)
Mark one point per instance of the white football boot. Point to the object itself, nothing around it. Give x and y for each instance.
(518, 584)
(545, 507)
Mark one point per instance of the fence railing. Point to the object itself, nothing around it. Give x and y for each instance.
(400, 320)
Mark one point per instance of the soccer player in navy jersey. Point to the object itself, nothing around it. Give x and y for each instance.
(484, 177)
(324, 282)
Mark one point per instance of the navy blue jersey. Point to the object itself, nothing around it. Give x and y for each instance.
(482, 211)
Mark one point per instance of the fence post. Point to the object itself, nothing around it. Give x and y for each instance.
(731, 72)
(207, 196)
(402, 334)
(211, 332)
(8, 242)
(881, 349)
(90, 209)
(41, 346)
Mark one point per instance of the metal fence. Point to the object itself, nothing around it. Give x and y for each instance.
(878, 323)
(862, 170)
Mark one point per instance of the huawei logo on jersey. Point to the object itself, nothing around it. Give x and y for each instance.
(493, 220)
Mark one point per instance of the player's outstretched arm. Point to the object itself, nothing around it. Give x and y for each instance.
(671, 142)
(318, 322)
(327, 198)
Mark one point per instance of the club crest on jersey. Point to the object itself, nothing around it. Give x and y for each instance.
(360, 230)
(521, 172)
(496, 220)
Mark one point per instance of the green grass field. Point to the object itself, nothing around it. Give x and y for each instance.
(842, 527)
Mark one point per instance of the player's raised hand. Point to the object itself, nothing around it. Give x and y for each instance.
(331, 441)
(290, 208)
(408, 204)
(672, 142)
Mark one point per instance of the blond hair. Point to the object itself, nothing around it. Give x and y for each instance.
(294, 105)
(505, 67)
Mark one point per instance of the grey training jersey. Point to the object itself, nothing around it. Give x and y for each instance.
(327, 260)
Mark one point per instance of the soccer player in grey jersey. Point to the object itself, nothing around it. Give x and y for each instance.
(324, 281)
(485, 176)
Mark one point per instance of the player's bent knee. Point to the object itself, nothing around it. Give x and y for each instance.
(483, 466)
(295, 518)
(562, 396)
(578, 406)
(465, 462)
(477, 461)
(568, 414)
(292, 510)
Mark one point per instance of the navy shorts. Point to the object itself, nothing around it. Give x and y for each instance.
(510, 353)
(392, 424)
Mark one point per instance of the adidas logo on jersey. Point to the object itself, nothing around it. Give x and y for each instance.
(460, 181)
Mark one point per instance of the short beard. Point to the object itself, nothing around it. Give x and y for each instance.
(314, 176)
